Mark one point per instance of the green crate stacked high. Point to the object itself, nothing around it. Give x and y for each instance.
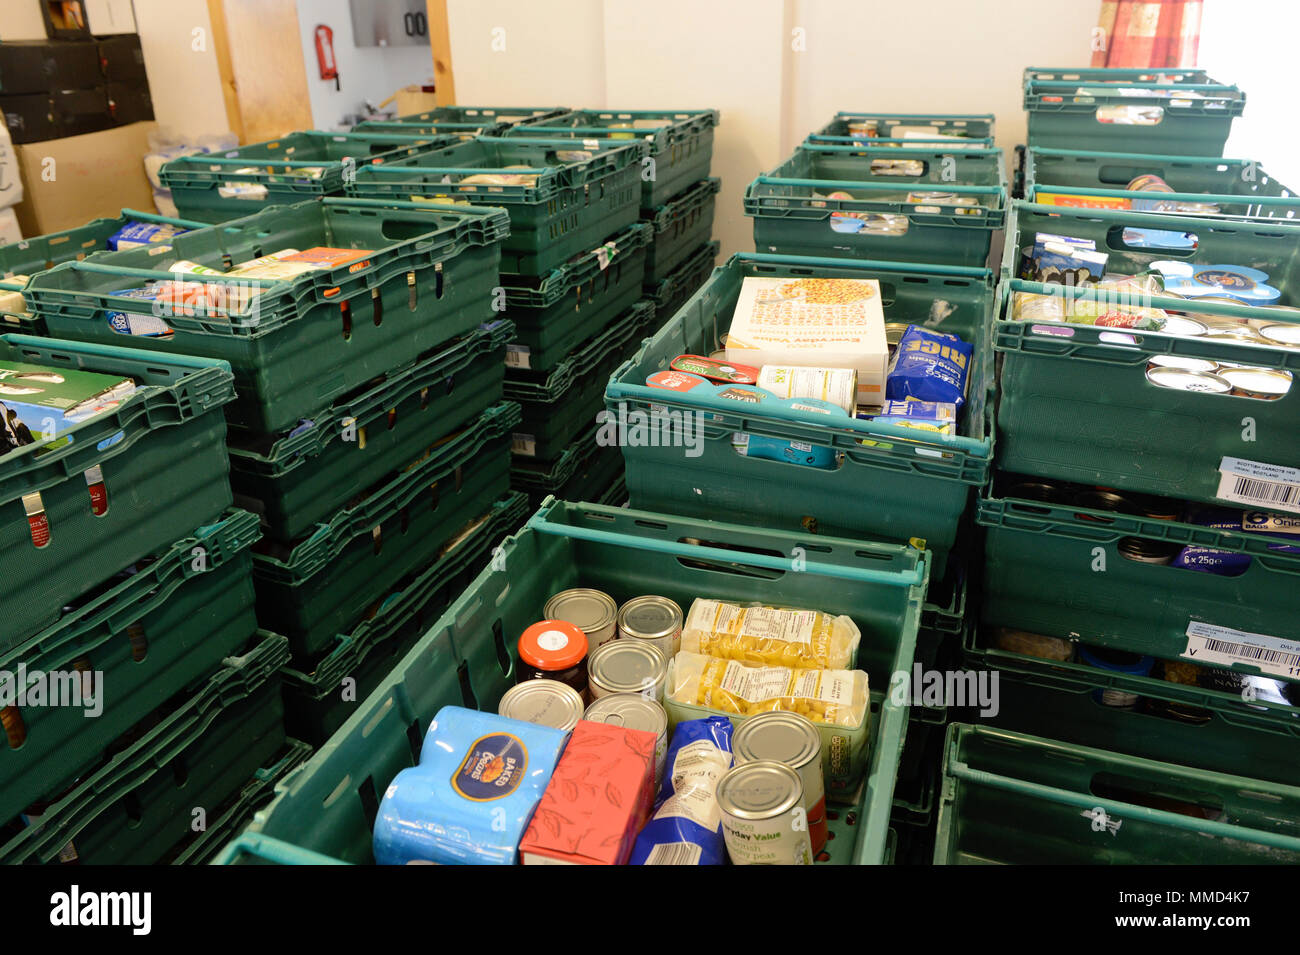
(369, 433)
(464, 122)
(129, 577)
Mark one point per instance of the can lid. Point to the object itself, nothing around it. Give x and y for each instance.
(589, 609)
(1264, 381)
(1184, 362)
(553, 645)
(629, 710)
(627, 666)
(1188, 380)
(759, 790)
(649, 617)
(1182, 325)
(780, 736)
(1282, 333)
(545, 702)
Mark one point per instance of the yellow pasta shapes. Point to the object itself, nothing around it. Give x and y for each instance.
(808, 639)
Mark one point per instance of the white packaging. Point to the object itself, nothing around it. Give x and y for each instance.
(11, 180)
(839, 386)
(813, 322)
(9, 231)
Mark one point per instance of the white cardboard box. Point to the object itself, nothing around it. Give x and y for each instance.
(11, 179)
(823, 322)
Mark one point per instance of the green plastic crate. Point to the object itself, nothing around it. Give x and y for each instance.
(281, 170)
(161, 459)
(184, 610)
(200, 848)
(323, 585)
(557, 311)
(322, 697)
(141, 825)
(1125, 432)
(467, 658)
(1009, 798)
(301, 478)
(462, 121)
(1036, 552)
(681, 226)
(977, 128)
(918, 487)
(681, 142)
(584, 471)
(574, 204)
(1063, 117)
(303, 343)
(671, 293)
(557, 406)
(1235, 737)
(1238, 187)
(41, 252)
(790, 218)
(169, 731)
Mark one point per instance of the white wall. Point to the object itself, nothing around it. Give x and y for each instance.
(183, 78)
(370, 73)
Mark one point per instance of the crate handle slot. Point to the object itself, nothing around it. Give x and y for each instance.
(272, 850)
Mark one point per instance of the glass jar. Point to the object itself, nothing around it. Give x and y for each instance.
(554, 650)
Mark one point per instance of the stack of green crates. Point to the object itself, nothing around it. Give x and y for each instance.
(571, 283)
(369, 432)
(464, 122)
(130, 619)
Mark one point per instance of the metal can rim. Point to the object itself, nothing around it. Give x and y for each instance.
(602, 598)
(555, 688)
(792, 796)
(741, 740)
(637, 602)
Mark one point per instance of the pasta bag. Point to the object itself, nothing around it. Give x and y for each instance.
(808, 639)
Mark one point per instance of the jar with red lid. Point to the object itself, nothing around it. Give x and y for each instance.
(554, 650)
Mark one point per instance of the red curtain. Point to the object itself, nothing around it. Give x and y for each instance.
(1148, 33)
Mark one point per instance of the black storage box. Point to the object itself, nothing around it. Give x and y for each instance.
(41, 66)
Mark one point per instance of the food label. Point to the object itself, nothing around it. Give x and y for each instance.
(755, 684)
(791, 626)
(1208, 643)
(517, 356)
(696, 772)
(674, 853)
(493, 768)
(525, 444)
(1251, 482)
(829, 686)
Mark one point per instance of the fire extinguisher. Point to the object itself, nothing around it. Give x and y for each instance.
(329, 67)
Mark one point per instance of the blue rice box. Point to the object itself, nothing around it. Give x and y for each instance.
(929, 366)
(473, 794)
(135, 235)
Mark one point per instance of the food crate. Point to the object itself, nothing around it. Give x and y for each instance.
(216, 187)
(899, 487)
(882, 128)
(914, 802)
(300, 478)
(557, 406)
(569, 201)
(157, 461)
(1011, 798)
(1207, 729)
(558, 310)
(671, 293)
(940, 207)
(320, 698)
(1037, 551)
(681, 142)
(155, 741)
(1130, 110)
(1202, 185)
(462, 121)
(200, 848)
(584, 471)
(140, 824)
(467, 658)
(41, 252)
(681, 226)
(300, 344)
(1076, 403)
(147, 635)
(325, 584)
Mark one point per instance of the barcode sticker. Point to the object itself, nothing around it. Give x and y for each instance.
(524, 444)
(1224, 646)
(1250, 482)
(517, 356)
(674, 853)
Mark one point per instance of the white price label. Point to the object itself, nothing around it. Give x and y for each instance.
(1224, 646)
(517, 356)
(1251, 482)
(524, 444)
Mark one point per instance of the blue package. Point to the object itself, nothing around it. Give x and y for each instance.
(1227, 563)
(686, 828)
(471, 797)
(133, 235)
(929, 366)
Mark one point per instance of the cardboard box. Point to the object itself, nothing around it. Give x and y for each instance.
(11, 180)
(599, 797)
(106, 17)
(68, 182)
(39, 66)
(9, 230)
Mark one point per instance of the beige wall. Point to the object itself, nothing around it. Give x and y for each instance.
(183, 81)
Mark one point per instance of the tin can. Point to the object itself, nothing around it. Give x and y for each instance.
(1102, 499)
(1183, 362)
(544, 702)
(628, 666)
(893, 335)
(1182, 380)
(1281, 333)
(1116, 661)
(763, 823)
(793, 740)
(1234, 332)
(1147, 551)
(1183, 326)
(1043, 492)
(635, 712)
(654, 620)
(1264, 383)
(591, 611)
